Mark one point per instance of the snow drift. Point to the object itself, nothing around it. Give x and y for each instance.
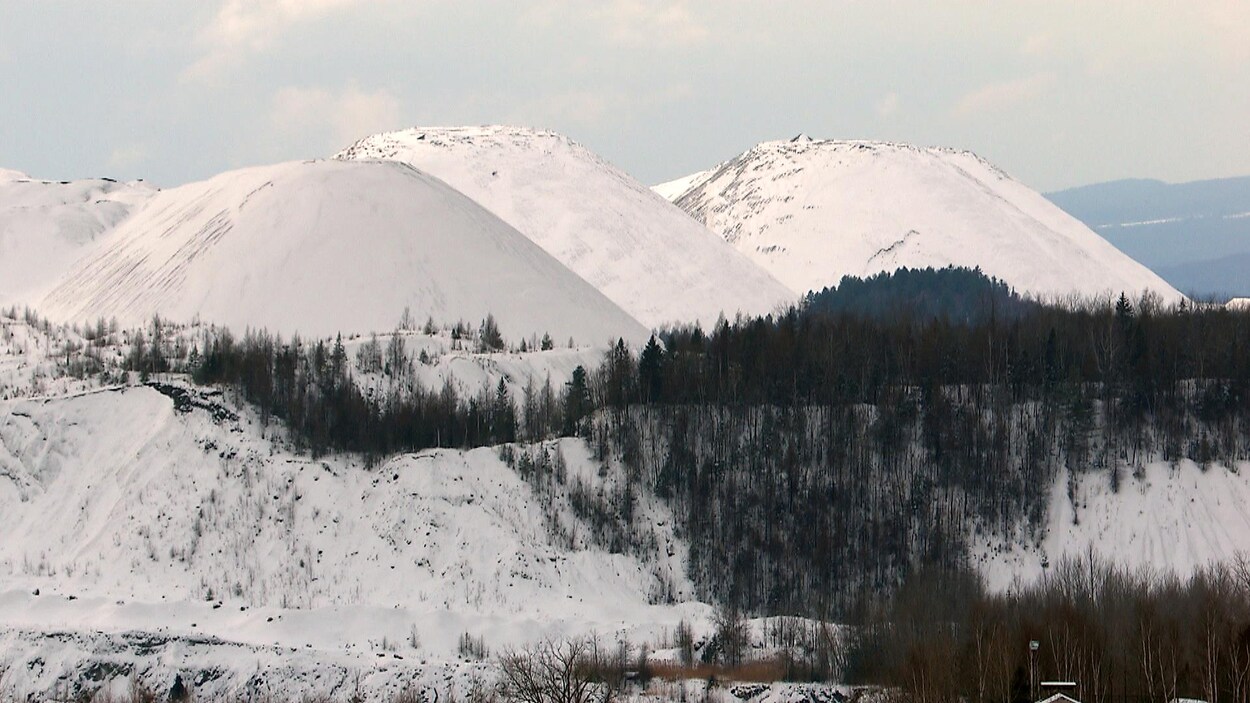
(813, 211)
(326, 246)
(637, 249)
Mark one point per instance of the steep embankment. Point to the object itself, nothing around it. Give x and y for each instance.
(198, 533)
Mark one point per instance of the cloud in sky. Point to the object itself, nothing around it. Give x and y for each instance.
(241, 28)
(1039, 44)
(1001, 95)
(887, 105)
(1228, 22)
(650, 22)
(1057, 92)
(337, 118)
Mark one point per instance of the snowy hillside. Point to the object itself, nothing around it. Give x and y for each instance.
(326, 246)
(166, 530)
(198, 506)
(813, 211)
(605, 226)
(44, 226)
(156, 538)
(1166, 517)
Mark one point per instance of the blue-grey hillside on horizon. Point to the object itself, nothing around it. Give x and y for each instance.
(1195, 235)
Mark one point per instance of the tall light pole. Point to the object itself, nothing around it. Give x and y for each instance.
(1033, 646)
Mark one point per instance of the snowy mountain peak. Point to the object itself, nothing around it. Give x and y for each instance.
(811, 211)
(640, 251)
(7, 174)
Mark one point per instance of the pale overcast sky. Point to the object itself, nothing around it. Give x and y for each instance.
(1057, 93)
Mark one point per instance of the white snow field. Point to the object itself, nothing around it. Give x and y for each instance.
(1164, 517)
(813, 211)
(44, 226)
(321, 247)
(611, 230)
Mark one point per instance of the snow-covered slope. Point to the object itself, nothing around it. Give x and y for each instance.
(44, 226)
(115, 493)
(637, 249)
(1165, 517)
(813, 211)
(200, 532)
(671, 190)
(326, 246)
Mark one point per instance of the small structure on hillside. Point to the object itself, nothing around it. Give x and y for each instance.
(1058, 692)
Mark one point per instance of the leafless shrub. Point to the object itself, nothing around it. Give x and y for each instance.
(471, 647)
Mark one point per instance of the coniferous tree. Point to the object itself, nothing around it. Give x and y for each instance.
(503, 415)
(489, 337)
(577, 403)
(651, 372)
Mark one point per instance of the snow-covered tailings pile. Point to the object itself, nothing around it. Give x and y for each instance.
(44, 226)
(608, 228)
(329, 246)
(811, 211)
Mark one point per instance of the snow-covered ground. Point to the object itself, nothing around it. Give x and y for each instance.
(611, 230)
(671, 190)
(329, 246)
(1163, 517)
(813, 211)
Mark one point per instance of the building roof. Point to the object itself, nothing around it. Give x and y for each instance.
(1059, 698)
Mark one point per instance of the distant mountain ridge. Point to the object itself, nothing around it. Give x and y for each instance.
(1196, 235)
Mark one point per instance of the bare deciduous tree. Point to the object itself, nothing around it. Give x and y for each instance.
(552, 671)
